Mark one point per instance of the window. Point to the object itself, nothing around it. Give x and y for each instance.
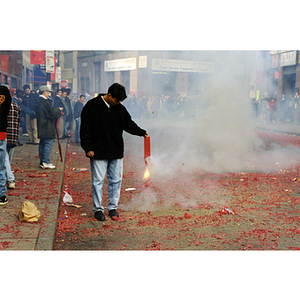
(68, 60)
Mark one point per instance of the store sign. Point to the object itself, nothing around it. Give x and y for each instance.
(50, 61)
(125, 64)
(64, 83)
(172, 65)
(288, 58)
(58, 75)
(4, 63)
(142, 61)
(37, 57)
(49, 85)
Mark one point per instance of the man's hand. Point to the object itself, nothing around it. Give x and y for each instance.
(90, 154)
(146, 135)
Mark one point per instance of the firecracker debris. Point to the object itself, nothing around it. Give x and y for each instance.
(232, 211)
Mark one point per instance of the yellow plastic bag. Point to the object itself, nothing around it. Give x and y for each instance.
(29, 212)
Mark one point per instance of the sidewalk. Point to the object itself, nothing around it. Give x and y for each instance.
(44, 192)
(280, 128)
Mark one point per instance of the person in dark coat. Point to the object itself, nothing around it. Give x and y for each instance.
(46, 113)
(58, 103)
(31, 125)
(103, 120)
(5, 103)
(77, 116)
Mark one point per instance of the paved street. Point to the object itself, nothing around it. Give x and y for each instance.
(180, 208)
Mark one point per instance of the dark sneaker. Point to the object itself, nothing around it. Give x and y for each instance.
(113, 213)
(3, 200)
(99, 215)
(11, 184)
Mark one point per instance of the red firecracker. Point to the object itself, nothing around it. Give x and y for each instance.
(146, 149)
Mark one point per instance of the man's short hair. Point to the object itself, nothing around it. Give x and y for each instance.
(82, 96)
(26, 86)
(117, 91)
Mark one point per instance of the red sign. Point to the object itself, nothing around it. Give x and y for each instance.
(37, 57)
(64, 83)
(4, 63)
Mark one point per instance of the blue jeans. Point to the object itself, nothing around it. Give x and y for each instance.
(114, 168)
(9, 174)
(45, 147)
(66, 125)
(2, 168)
(77, 130)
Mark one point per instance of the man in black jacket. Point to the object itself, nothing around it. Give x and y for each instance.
(46, 113)
(103, 120)
(5, 102)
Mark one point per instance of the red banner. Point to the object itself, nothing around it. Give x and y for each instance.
(4, 63)
(37, 57)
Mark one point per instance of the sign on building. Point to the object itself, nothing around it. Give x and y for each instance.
(182, 65)
(50, 61)
(288, 58)
(125, 64)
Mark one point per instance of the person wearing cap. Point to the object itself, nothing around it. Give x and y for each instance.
(103, 120)
(5, 103)
(46, 113)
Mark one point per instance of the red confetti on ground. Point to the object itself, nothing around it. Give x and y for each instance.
(268, 206)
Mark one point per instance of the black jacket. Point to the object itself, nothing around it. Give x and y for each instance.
(5, 102)
(58, 103)
(45, 115)
(29, 101)
(69, 117)
(102, 128)
(78, 109)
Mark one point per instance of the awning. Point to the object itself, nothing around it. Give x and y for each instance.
(39, 76)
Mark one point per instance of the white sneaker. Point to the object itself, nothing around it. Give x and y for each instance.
(47, 166)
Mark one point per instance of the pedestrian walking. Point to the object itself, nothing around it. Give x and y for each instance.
(77, 116)
(5, 102)
(31, 121)
(103, 120)
(12, 140)
(46, 114)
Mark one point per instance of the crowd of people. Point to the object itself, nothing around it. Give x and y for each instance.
(42, 116)
(267, 108)
(148, 107)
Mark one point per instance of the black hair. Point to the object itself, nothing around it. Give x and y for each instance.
(117, 91)
(58, 90)
(19, 93)
(82, 96)
(26, 86)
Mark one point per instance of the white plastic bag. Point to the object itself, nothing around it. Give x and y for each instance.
(67, 198)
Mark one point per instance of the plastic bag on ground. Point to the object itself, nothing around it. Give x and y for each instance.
(67, 198)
